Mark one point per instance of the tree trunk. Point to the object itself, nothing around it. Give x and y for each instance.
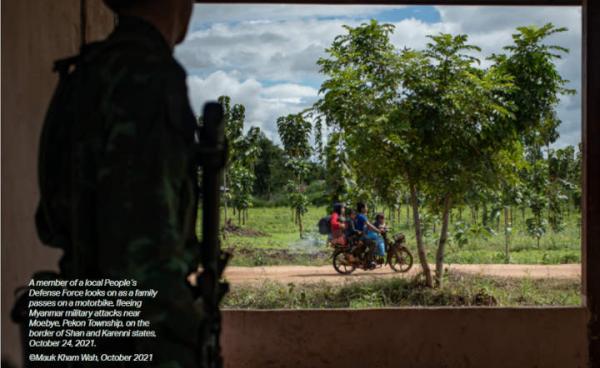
(484, 217)
(441, 251)
(299, 217)
(419, 236)
(506, 236)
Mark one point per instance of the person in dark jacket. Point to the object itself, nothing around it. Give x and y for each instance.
(125, 205)
(351, 232)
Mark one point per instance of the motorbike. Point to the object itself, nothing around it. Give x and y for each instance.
(359, 253)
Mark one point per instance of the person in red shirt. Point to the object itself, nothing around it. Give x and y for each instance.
(338, 224)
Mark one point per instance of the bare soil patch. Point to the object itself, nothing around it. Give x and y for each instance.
(233, 229)
(315, 274)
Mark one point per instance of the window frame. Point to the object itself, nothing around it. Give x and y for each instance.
(590, 92)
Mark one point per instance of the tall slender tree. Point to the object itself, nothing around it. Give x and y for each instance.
(243, 151)
(294, 131)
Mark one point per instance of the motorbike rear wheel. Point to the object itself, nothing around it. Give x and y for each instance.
(401, 260)
(341, 263)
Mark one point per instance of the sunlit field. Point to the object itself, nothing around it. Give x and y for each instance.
(270, 237)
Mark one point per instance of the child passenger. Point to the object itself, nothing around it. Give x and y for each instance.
(351, 232)
(380, 221)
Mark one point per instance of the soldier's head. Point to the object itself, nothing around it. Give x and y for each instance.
(171, 17)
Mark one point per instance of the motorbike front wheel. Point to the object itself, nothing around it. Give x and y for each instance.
(401, 260)
(341, 263)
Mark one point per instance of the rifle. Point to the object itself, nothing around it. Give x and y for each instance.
(212, 159)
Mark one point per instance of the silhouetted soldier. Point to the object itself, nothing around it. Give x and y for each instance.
(118, 176)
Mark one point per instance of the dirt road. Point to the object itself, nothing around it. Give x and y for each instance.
(312, 274)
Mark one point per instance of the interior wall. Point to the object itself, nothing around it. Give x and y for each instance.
(411, 337)
(34, 34)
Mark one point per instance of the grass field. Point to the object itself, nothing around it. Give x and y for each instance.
(270, 237)
(458, 291)
(281, 244)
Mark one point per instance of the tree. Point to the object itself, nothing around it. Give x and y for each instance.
(422, 135)
(243, 174)
(270, 171)
(338, 174)
(294, 132)
(456, 112)
(563, 184)
(538, 85)
(511, 194)
(243, 151)
(417, 119)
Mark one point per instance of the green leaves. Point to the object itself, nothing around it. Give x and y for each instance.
(436, 121)
(294, 131)
(244, 151)
(537, 82)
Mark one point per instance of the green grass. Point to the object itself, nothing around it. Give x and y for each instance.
(282, 232)
(458, 290)
(282, 244)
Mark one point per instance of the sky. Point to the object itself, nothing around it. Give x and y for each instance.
(264, 56)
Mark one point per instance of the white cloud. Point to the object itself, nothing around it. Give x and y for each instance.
(284, 51)
(243, 50)
(412, 33)
(491, 18)
(264, 104)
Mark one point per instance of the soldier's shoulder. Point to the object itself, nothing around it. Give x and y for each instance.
(134, 58)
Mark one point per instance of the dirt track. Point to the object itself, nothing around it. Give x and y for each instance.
(312, 274)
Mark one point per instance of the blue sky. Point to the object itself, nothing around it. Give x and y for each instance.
(264, 56)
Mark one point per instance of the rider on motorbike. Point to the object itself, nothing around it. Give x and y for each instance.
(371, 231)
(354, 238)
(352, 234)
(380, 224)
(337, 224)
